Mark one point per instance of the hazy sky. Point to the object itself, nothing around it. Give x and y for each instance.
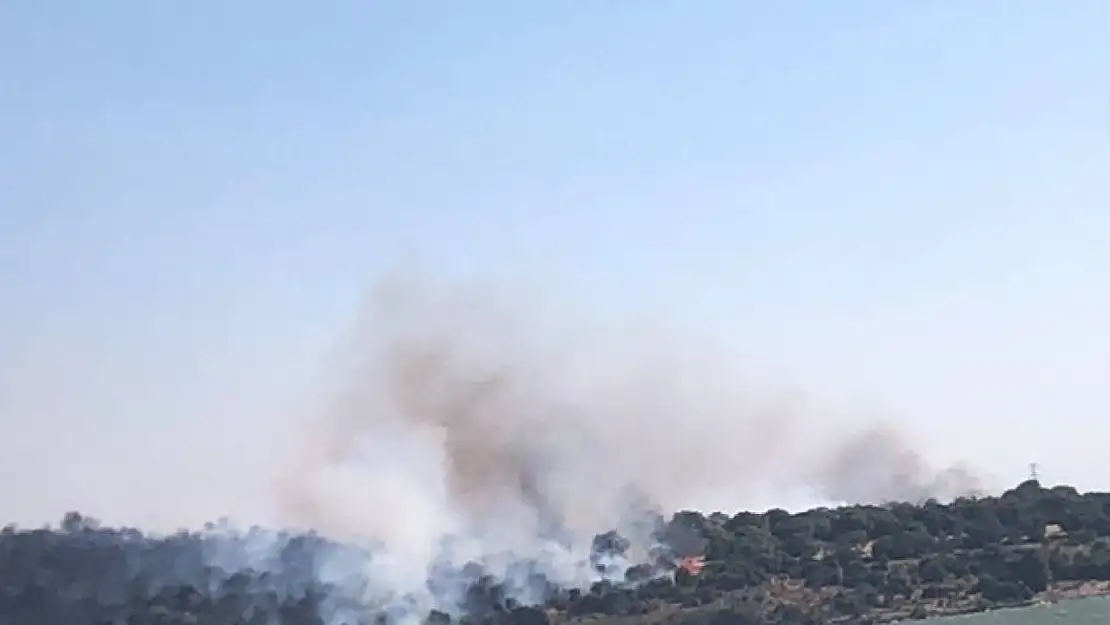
(901, 204)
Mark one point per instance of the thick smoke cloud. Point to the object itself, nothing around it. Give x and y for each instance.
(466, 428)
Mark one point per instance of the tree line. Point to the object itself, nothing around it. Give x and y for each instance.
(852, 564)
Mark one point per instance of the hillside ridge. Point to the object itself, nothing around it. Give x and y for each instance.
(851, 564)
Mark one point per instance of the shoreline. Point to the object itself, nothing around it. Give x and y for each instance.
(1059, 592)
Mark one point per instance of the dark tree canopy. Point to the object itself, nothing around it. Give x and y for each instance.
(850, 564)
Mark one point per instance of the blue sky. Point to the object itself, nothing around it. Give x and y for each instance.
(905, 202)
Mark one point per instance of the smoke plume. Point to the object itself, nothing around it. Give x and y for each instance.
(465, 428)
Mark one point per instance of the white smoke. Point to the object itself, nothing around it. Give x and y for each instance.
(465, 430)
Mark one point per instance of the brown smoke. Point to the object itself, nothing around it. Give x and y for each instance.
(880, 465)
(460, 414)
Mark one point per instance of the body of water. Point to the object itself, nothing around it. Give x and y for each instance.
(1079, 612)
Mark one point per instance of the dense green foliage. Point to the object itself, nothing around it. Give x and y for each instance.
(850, 564)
